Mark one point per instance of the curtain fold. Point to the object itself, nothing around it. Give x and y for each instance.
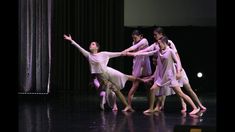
(34, 50)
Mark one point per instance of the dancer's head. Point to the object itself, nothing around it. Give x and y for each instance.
(163, 42)
(158, 33)
(136, 36)
(94, 47)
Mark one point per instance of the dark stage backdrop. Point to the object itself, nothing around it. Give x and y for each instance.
(86, 21)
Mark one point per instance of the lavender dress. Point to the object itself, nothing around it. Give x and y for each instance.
(165, 75)
(141, 64)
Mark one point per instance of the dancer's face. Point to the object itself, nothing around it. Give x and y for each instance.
(157, 35)
(162, 45)
(136, 38)
(93, 47)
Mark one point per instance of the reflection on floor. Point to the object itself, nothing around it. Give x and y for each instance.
(73, 113)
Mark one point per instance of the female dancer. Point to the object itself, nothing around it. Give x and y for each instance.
(167, 73)
(107, 76)
(141, 64)
(184, 82)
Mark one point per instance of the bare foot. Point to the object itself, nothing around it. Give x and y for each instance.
(157, 109)
(195, 111)
(115, 108)
(128, 108)
(183, 110)
(149, 111)
(148, 114)
(202, 107)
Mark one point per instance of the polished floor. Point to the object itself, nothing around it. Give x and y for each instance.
(77, 113)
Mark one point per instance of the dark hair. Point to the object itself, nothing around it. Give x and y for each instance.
(97, 44)
(137, 32)
(159, 30)
(164, 39)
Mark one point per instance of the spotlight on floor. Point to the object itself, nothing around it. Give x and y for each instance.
(199, 74)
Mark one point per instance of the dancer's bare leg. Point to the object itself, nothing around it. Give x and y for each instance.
(132, 91)
(132, 78)
(115, 108)
(183, 104)
(180, 93)
(123, 100)
(153, 90)
(103, 101)
(160, 103)
(193, 95)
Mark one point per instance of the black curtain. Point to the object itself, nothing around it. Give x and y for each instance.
(86, 21)
(34, 45)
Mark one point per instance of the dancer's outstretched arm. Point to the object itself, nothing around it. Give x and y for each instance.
(142, 42)
(150, 53)
(83, 51)
(150, 48)
(114, 54)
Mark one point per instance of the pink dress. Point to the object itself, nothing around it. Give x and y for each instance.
(141, 64)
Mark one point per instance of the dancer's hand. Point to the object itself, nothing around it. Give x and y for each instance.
(178, 75)
(68, 37)
(124, 53)
(130, 54)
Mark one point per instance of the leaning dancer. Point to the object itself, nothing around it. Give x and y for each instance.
(107, 76)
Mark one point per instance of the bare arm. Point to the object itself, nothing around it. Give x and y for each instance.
(83, 51)
(150, 48)
(134, 47)
(150, 53)
(113, 54)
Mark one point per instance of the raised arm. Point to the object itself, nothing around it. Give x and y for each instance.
(83, 51)
(140, 43)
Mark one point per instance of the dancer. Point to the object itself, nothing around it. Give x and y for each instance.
(141, 64)
(107, 76)
(166, 74)
(184, 82)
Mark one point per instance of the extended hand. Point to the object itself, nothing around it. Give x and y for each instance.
(68, 37)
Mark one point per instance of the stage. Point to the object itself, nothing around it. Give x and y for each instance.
(77, 112)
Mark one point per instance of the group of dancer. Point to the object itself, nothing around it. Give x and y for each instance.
(167, 79)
